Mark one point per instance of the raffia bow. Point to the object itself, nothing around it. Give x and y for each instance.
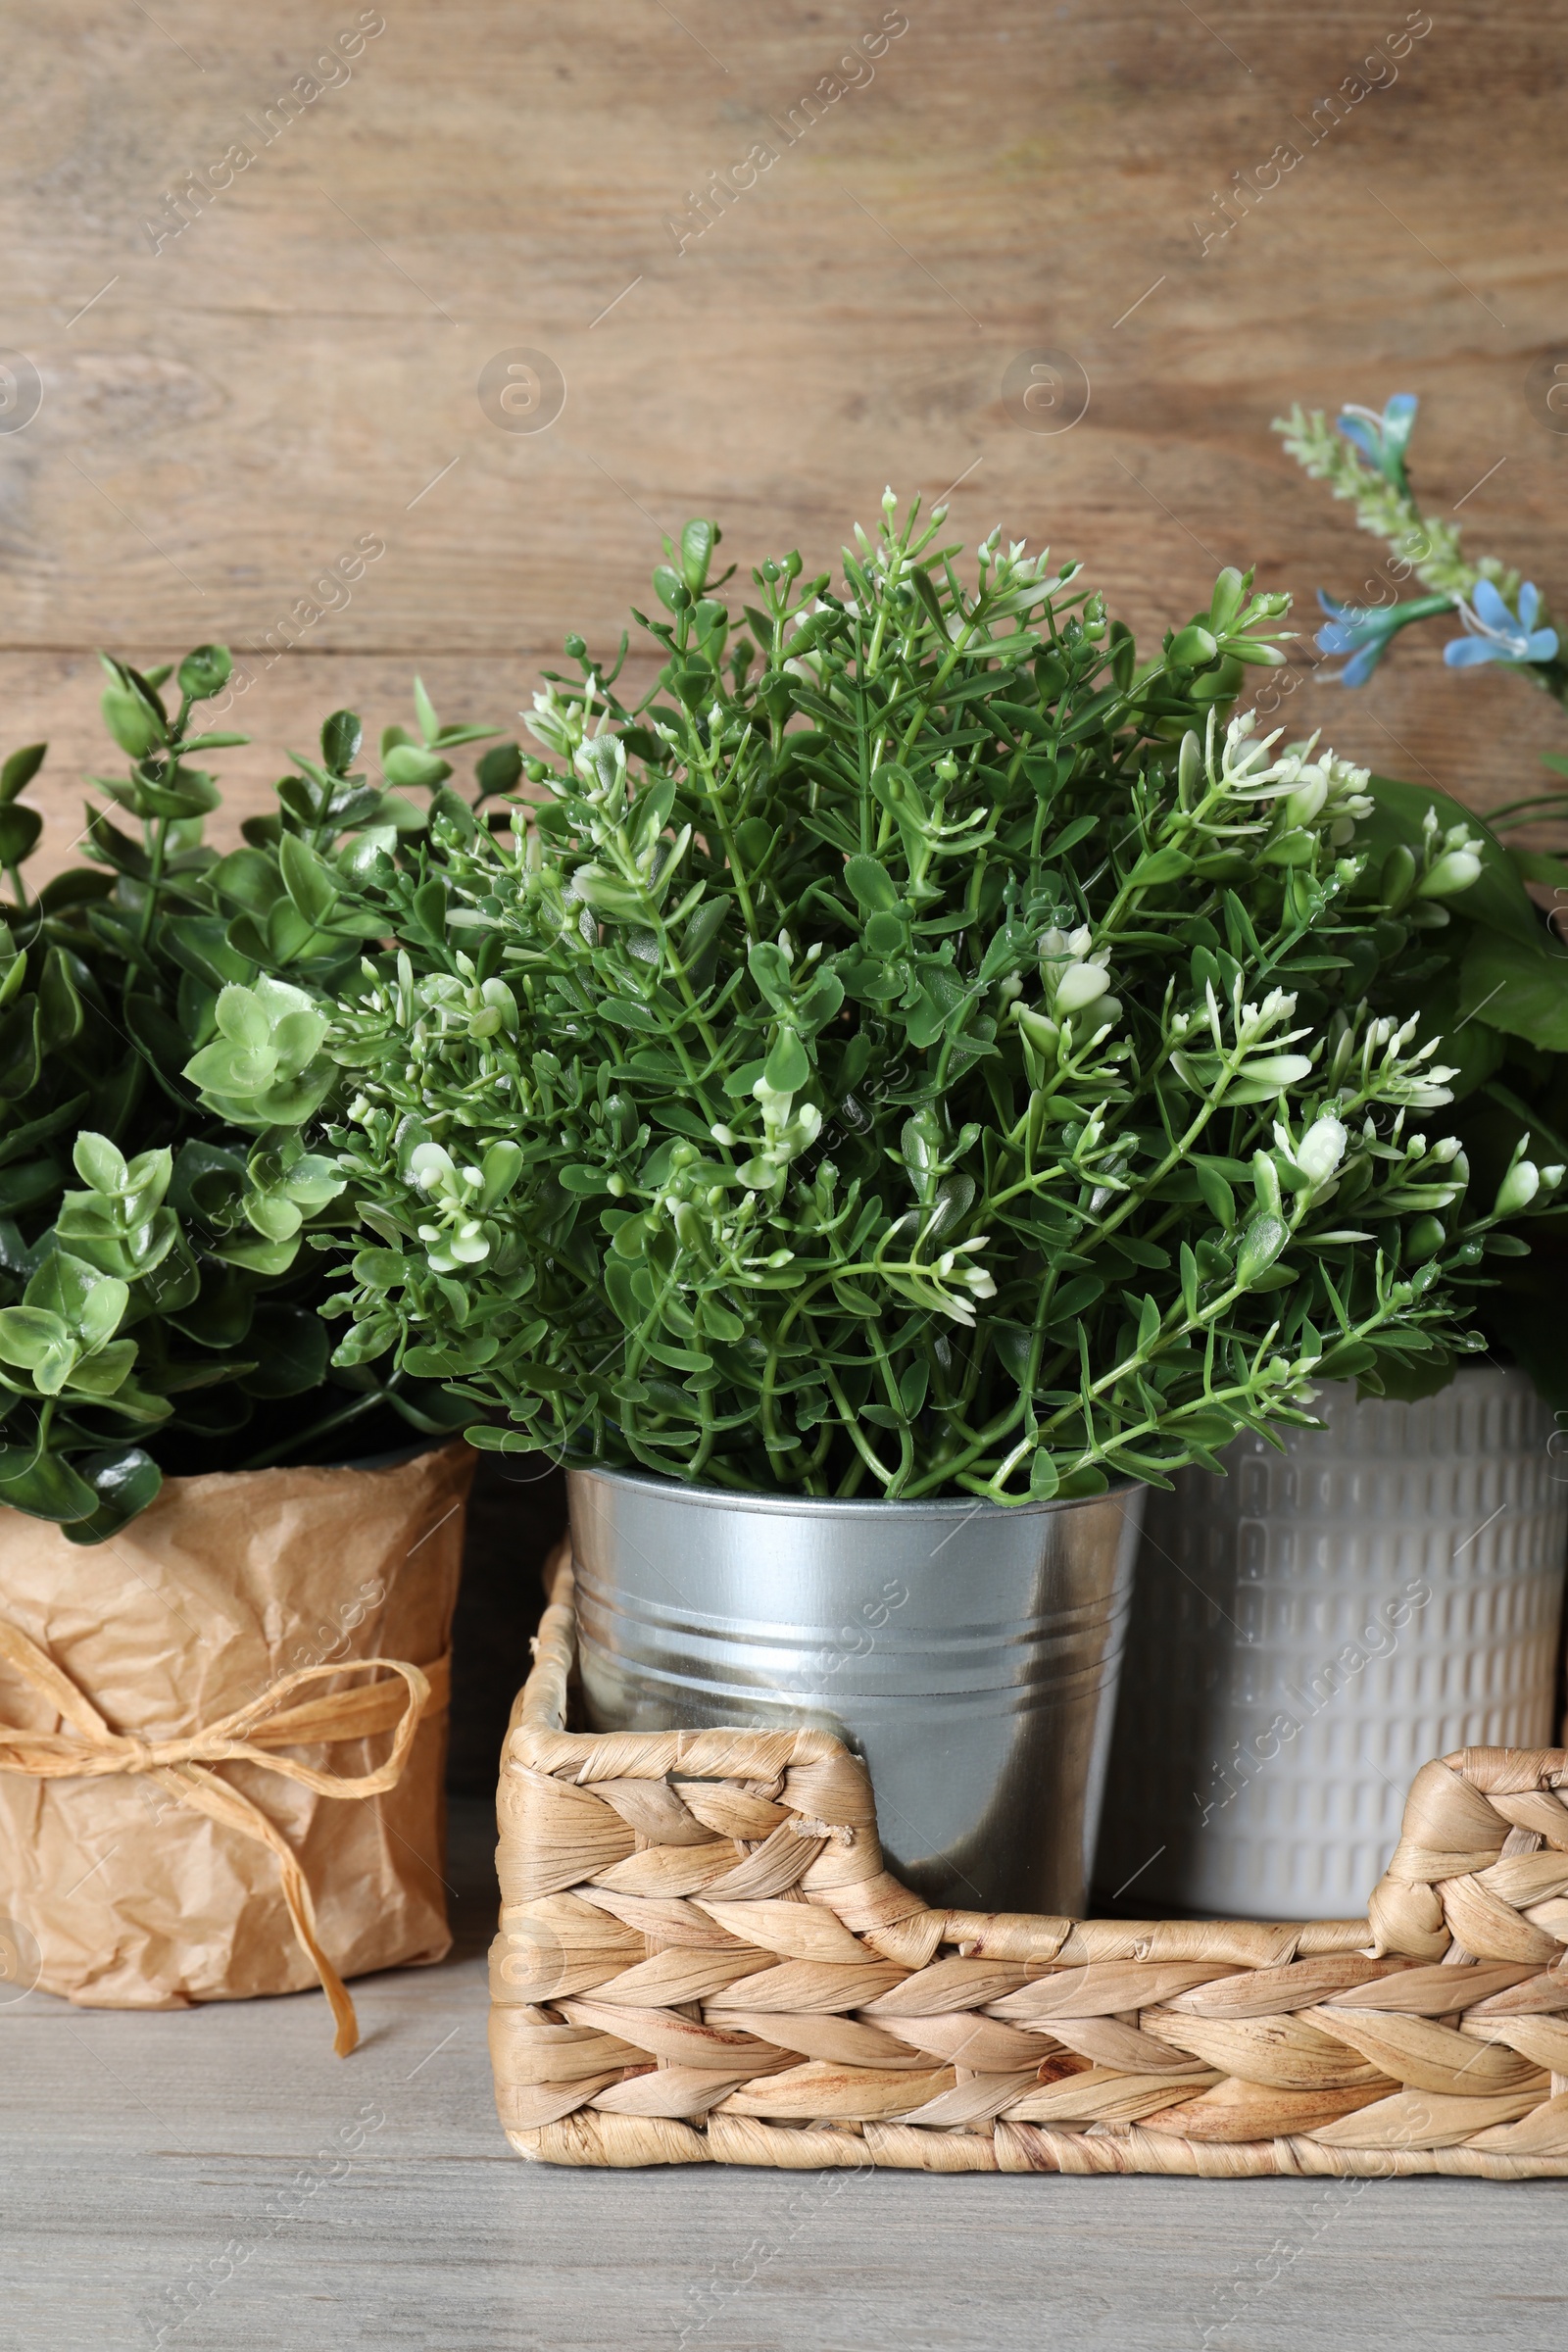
(91, 1751)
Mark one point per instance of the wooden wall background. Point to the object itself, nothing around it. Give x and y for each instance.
(226, 415)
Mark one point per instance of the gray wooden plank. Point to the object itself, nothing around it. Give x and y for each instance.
(175, 2173)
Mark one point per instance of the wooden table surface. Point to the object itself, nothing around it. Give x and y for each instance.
(186, 2173)
(258, 263)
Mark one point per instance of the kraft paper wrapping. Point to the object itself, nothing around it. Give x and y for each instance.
(218, 1588)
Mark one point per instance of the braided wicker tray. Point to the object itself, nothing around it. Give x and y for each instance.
(702, 1959)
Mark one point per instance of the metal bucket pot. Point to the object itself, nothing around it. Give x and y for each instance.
(969, 1652)
(1309, 1630)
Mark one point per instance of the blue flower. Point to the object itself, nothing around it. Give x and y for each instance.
(1362, 634)
(1382, 438)
(1497, 635)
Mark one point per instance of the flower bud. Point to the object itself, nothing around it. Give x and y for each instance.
(1454, 872)
(1043, 1033)
(1266, 1183)
(1265, 1237)
(1189, 764)
(1277, 1070)
(1423, 1239)
(1321, 1148)
(1078, 986)
(1517, 1188)
(1303, 805)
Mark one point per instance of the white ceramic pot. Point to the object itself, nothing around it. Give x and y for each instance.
(1308, 1631)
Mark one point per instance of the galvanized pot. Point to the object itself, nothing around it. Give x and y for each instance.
(1310, 1629)
(969, 1652)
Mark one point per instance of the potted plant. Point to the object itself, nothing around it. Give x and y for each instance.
(165, 1389)
(898, 1091)
(1390, 1587)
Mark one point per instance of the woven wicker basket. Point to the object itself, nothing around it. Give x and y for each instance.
(702, 1959)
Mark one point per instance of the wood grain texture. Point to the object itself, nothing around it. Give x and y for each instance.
(225, 416)
(140, 2154)
(232, 413)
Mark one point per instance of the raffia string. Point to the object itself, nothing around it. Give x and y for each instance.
(91, 1751)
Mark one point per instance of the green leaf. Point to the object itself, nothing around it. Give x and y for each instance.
(1218, 1197)
(242, 1019)
(425, 713)
(873, 886)
(25, 1183)
(1043, 1479)
(626, 1014)
(430, 908)
(124, 1481)
(44, 1486)
(1157, 866)
(291, 1346)
(1518, 989)
(411, 765)
(341, 737)
(20, 828)
(21, 1049)
(498, 770)
(500, 1166)
(248, 878)
(38, 1341)
(89, 1304)
(104, 1372)
(18, 771)
(74, 888)
(696, 543)
(133, 725)
(160, 1039)
(787, 1068)
(60, 1011)
(307, 880)
(769, 968)
(205, 672)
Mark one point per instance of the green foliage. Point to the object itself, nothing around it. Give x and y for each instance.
(167, 1314)
(920, 1048)
(1490, 980)
(1493, 980)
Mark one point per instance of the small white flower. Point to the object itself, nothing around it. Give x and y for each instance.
(1321, 1148)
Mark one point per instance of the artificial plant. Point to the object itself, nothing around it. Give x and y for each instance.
(1495, 983)
(157, 1308)
(916, 1048)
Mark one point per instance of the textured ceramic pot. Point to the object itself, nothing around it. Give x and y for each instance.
(1309, 1630)
(969, 1652)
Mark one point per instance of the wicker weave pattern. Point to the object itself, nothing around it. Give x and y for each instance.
(702, 1959)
